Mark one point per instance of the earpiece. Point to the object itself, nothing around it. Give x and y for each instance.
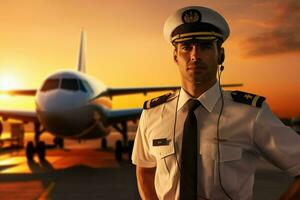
(221, 57)
(221, 67)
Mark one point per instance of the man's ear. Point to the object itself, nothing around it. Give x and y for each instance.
(175, 55)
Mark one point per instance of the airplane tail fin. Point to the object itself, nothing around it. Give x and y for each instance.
(81, 59)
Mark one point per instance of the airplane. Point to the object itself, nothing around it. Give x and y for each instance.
(71, 104)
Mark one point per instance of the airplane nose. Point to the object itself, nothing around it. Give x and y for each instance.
(59, 101)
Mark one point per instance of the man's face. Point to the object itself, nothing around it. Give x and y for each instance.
(197, 61)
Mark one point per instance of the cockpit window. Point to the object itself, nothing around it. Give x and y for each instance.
(50, 84)
(69, 84)
(87, 86)
(81, 86)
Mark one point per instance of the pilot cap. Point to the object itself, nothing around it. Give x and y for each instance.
(195, 22)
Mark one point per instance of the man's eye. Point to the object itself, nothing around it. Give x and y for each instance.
(185, 48)
(206, 46)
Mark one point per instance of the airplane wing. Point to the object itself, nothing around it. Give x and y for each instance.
(122, 115)
(24, 92)
(135, 90)
(112, 91)
(19, 115)
(116, 116)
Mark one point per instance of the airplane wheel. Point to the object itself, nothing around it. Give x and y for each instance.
(30, 151)
(130, 147)
(118, 150)
(55, 141)
(59, 142)
(103, 143)
(41, 150)
(1, 128)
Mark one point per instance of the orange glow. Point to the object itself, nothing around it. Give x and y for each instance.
(12, 161)
(22, 166)
(125, 47)
(15, 189)
(4, 97)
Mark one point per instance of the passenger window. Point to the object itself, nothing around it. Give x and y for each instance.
(50, 84)
(69, 84)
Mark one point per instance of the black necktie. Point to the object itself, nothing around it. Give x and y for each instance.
(188, 176)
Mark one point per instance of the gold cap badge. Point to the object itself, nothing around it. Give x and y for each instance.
(191, 16)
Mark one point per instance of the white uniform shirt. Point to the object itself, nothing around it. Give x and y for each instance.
(246, 132)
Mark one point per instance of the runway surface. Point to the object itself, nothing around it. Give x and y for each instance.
(83, 171)
(71, 174)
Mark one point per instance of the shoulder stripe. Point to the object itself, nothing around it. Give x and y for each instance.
(147, 104)
(159, 100)
(254, 101)
(247, 98)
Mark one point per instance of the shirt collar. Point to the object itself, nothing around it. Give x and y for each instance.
(208, 99)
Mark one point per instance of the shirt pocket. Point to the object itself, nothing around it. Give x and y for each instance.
(229, 166)
(165, 156)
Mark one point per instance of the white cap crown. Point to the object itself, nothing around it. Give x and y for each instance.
(195, 22)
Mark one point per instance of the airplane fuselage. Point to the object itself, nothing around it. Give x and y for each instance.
(66, 107)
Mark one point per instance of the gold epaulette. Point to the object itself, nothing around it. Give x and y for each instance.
(159, 100)
(247, 98)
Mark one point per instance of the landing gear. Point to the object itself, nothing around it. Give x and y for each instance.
(59, 142)
(126, 146)
(1, 127)
(30, 151)
(41, 150)
(118, 150)
(39, 147)
(103, 143)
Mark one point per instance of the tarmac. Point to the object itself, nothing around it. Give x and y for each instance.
(83, 171)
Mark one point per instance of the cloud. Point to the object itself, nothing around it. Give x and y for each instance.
(282, 36)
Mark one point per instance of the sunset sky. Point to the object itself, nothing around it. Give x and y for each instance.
(125, 46)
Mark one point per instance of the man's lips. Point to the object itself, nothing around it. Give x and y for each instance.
(196, 67)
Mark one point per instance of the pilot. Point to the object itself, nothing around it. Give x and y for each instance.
(202, 142)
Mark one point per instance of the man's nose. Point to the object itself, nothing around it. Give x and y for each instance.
(195, 53)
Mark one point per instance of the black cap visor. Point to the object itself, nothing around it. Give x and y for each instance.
(196, 31)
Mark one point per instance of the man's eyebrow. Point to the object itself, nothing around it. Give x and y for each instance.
(197, 43)
(205, 42)
(185, 43)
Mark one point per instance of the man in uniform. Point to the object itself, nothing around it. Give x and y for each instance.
(202, 142)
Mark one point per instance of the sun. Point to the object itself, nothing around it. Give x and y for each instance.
(8, 82)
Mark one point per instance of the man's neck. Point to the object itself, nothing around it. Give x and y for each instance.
(194, 89)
